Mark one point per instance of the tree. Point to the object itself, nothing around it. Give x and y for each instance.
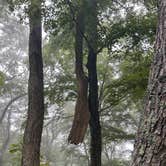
(12, 78)
(82, 115)
(119, 30)
(62, 84)
(150, 147)
(34, 123)
(95, 128)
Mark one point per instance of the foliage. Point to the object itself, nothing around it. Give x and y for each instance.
(117, 162)
(2, 78)
(128, 43)
(15, 150)
(123, 67)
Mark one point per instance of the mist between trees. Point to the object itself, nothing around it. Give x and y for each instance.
(75, 88)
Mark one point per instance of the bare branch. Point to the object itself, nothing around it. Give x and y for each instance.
(9, 104)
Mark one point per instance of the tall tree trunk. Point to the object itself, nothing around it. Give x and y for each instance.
(34, 123)
(82, 115)
(95, 128)
(150, 146)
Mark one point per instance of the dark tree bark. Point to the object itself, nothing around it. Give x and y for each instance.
(150, 146)
(95, 128)
(34, 123)
(82, 115)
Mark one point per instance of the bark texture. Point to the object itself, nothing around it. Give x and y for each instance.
(150, 146)
(95, 128)
(82, 115)
(34, 123)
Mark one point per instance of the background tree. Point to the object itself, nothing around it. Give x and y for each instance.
(12, 79)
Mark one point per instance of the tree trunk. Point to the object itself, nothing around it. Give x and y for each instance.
(95, 128)
(34, 123)
(82, 115)
(150, 146)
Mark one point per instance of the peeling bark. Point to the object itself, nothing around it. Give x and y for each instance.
(82, 115)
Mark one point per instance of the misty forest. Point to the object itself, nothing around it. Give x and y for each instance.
(83, 82)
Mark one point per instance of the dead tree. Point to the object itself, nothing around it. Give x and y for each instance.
(82, 115)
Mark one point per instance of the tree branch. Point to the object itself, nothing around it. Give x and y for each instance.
(9, 104)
